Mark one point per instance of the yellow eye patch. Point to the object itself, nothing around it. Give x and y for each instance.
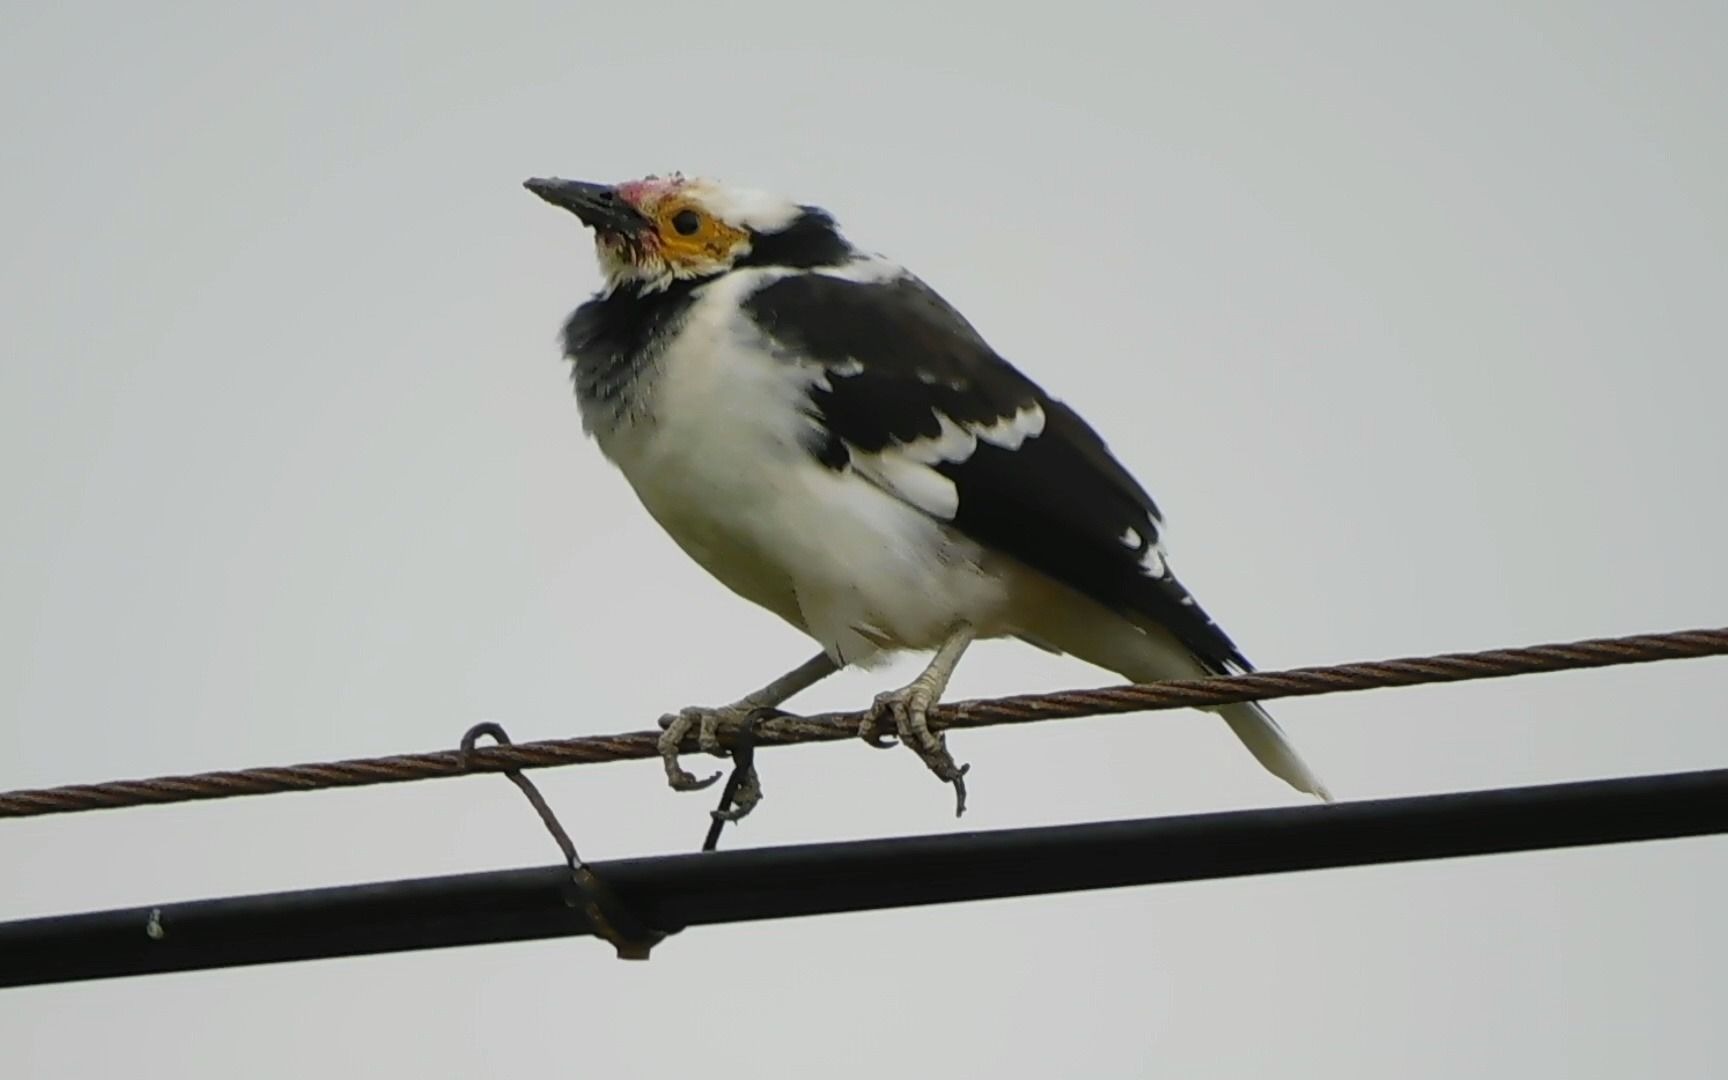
(689, 234)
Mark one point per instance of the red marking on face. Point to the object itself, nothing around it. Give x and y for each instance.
(648, 190)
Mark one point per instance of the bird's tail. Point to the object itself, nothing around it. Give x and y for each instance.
(1271, 747)
(1164, 658)
(1144, 652)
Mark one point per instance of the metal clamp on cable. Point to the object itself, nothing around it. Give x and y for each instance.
(605, 912)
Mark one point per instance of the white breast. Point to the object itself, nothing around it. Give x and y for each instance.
(720, 457)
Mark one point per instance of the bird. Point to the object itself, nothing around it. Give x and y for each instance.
(823, 433)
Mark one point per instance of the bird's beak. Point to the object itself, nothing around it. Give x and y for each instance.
(598, 205)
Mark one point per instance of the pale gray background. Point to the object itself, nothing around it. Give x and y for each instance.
(1411, 316)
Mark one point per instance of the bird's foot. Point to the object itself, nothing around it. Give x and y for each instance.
(870, 730)
(909, 708)
(675, 728)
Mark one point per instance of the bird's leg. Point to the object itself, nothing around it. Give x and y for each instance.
(910, 705)
(707, 720)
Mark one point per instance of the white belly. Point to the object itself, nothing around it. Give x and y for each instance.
(720, 458)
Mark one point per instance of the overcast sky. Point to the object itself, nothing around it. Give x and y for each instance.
(1411, 317)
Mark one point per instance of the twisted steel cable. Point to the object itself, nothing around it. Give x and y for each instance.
(829, 727)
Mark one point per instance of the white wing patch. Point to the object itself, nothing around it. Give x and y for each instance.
(907, 470)
(1010, 431)
(952, 443)
(846, 368)
(911, 481)
(1153, 561)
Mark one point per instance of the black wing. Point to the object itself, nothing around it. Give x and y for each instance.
(916, 399)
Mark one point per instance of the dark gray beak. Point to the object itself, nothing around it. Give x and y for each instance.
(598, 205)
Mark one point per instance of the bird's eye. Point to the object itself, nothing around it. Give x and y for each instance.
(686, 221)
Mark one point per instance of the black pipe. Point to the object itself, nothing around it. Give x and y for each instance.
(674, 891)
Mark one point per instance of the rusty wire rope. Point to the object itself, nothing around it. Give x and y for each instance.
(828, 727)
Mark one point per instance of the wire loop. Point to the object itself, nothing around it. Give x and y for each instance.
(611, 920)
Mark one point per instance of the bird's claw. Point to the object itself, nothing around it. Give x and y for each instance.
(744, 800)
(868, 730)
(909, 707)
(675, 728)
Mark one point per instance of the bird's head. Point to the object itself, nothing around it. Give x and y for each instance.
(651, 232)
